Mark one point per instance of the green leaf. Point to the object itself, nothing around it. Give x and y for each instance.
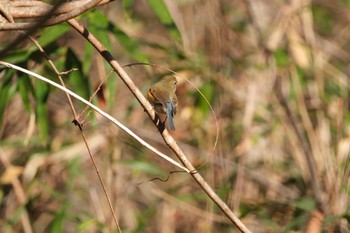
(161, 11)
(98, 26)
(18, 56)
(142, 166)
(324, 19)
(127, 4)
(346, 3)
(129, 44)
(87, 225)
(57, 224)
(51, 34)
(88, 57)
(42, 120)
(207, 90)
(282, 57)
(25, 89)
(77, 79)
(7, 90)
(305, 204)
(42, 91)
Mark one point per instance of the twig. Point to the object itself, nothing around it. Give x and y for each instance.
(36, 9)
(106, 115)
(44, 21)
(69, 11)
(97, 89)
(68, 71)
(168, 139)
(29, 30)
(76, 120)
(194, 86)
(255, 176)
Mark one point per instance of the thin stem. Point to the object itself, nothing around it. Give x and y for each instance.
(168, 139)
(94, 107)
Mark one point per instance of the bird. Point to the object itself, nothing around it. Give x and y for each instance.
(162, 96)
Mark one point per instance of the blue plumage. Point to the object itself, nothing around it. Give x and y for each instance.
(170, 112)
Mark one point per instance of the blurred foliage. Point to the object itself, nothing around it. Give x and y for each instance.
(324, 20)
(7, 90)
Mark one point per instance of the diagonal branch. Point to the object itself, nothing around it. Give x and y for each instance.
(92, 106)
(24, 34)
(168, 139)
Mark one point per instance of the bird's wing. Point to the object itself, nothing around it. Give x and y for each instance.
(170, 115)
(160, 96)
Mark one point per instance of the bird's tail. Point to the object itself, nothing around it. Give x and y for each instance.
(170, 115)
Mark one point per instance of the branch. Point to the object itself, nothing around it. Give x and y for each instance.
(37, 12)
(168, 139)
(106, 115)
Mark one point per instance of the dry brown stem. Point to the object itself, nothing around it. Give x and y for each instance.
(168, 139)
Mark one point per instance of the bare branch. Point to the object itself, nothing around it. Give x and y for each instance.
(168, 139)
(36, 14)
(94, 107)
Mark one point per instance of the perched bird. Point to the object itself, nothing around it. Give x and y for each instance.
(163, 98)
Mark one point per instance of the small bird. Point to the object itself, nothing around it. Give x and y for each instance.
(163, 98)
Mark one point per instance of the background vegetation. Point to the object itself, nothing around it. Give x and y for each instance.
(275, 72)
